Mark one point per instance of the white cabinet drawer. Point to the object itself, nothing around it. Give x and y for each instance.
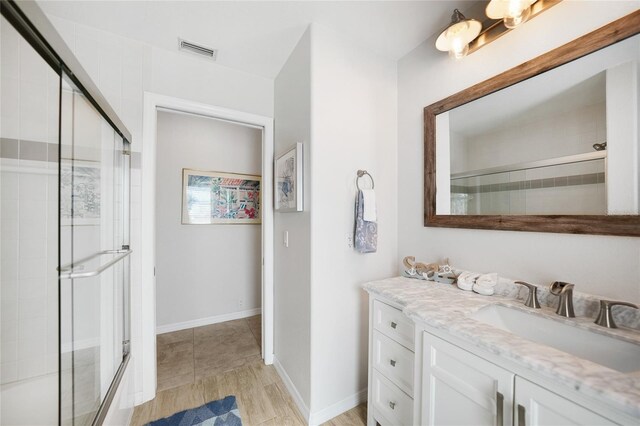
(390, 402)
(394, 361)
(392, 322)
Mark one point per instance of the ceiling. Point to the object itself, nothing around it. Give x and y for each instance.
(258, 36)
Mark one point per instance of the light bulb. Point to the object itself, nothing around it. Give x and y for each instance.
(512, 12)
(456, 37)
(518, 12)
(458, 49)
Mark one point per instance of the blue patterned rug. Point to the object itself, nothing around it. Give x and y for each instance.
(223, 412)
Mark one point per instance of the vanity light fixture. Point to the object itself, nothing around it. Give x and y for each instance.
(512, 12)
(456, 37)
(464, 36)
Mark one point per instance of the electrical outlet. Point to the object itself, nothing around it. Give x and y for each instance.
(285, 239)
(349, 238)
(240, 303)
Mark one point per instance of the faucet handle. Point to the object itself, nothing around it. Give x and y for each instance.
(559, 287)
(605, 318)
(532, 298)
(565, 292)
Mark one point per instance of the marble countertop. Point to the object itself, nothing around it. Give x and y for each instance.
(447, 308)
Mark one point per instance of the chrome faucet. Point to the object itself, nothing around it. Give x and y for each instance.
(565, 292)
(605, 319)
(532, 298)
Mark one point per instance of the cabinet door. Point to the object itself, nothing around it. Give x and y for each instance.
(459, 388)
(537, 406)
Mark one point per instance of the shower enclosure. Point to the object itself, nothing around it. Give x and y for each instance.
(64, 191)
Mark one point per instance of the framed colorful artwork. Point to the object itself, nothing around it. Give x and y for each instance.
(220, 198)
(288, 181)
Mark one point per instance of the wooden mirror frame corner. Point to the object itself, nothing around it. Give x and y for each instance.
(621, 225)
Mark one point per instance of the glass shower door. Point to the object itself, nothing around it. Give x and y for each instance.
(93, 251)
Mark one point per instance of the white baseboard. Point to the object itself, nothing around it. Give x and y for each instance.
(207, 321)
(292, 389)
(338, 408)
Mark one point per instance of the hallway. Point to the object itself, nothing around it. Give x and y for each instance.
(207, 363)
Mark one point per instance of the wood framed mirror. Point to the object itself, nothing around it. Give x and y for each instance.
(551, 145)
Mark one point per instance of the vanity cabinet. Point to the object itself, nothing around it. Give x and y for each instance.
(424, 373)
(537, 406)
(461, 388)
(391, 365)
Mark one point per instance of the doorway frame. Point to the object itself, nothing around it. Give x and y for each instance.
(144, 352)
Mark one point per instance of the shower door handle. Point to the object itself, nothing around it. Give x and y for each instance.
(67, 272)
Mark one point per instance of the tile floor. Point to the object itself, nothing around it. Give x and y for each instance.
(208, 363)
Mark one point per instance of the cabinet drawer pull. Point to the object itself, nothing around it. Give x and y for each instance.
(521, 415)
(392, 405)
(393, 325)
(499, 409)
(392, 362)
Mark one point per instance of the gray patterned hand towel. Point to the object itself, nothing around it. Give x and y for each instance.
(366, 233)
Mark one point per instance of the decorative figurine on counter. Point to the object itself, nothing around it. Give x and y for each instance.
(428, 271)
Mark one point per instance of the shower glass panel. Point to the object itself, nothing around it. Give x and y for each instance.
(29, 98)
(93, 213)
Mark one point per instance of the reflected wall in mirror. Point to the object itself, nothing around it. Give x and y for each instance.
(551, 145)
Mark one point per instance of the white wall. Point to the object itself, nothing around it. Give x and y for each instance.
(340, 101)
(203, 271)
(123, 69)
(606, 266)
(292, 269)
(354, 127)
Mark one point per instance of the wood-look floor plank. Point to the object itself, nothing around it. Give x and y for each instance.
(253, 402)
(286, 413)
(357, 416)
(178, 399)
(142, 414)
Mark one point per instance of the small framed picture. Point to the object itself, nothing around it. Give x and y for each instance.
(288, 181)
(220, 198)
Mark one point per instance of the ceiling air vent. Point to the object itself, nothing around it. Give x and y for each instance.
(197, 49)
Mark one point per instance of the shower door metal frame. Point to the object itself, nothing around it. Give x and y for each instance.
(34, 26)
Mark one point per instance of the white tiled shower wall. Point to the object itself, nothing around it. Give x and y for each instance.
(29, 198)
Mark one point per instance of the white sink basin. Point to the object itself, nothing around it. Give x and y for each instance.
(605, 350)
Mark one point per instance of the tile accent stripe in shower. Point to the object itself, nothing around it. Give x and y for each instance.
(583, 179)
(42, 151)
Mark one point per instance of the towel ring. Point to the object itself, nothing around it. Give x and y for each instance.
(361, 173)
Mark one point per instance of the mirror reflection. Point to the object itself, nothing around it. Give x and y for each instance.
(563, 142)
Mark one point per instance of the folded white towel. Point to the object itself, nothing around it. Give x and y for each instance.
(485, 284)
(369, 214)
(487, 280)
